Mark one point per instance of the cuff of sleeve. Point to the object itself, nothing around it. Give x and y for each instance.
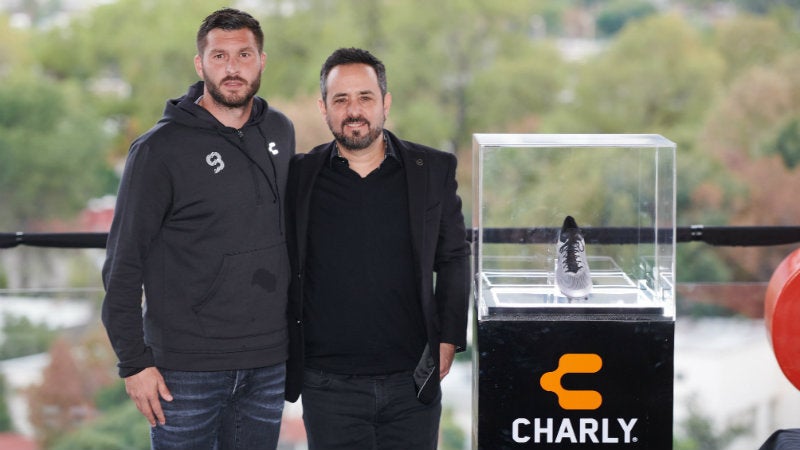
(135, 365)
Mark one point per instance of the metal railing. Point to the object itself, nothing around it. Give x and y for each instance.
(717, 236)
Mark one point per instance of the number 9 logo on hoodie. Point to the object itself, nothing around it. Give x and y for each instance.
(214, 160)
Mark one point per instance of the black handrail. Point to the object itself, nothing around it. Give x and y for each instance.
(717, 236)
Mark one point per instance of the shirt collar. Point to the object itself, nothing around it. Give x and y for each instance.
(390, 151)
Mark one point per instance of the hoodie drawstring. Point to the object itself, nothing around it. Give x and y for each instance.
(272, 181)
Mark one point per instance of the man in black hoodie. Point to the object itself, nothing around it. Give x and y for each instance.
(199, 225)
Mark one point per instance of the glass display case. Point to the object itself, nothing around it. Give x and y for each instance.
(620, 191)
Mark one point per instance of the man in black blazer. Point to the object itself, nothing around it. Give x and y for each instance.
(381, 275)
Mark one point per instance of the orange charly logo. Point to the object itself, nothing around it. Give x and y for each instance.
(574, 399)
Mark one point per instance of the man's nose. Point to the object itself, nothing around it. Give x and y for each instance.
(232, 66)
(353, 109)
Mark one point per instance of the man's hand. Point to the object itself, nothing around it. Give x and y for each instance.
(446, 354)
(144, 389)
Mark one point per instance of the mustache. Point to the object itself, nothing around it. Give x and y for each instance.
(350, 120)
(239, 79)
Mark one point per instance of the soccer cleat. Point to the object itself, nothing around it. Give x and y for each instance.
(572, 270)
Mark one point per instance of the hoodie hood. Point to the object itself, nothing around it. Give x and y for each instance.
(185, 111)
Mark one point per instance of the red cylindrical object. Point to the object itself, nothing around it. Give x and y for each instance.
(782, 316)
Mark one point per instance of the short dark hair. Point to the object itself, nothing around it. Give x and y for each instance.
(351, 55)
(229, 19)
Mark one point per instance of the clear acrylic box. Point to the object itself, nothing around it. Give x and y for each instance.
(620, 188)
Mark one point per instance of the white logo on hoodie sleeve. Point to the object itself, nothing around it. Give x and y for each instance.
(214, 160)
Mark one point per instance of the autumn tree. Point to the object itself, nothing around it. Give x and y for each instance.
(752, 133)
(61, 401)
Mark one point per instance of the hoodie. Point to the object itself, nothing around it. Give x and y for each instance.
(198, 225)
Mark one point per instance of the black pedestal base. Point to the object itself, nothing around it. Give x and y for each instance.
(614, 386)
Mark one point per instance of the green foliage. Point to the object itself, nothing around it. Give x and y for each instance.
(13, 45)
(121, 428)
(149, 45)
(21, 337)
(297, 44)
(514, 87)
(699, 432)
(53, 151)
(483, 75)
(656, 76)
(765, 6)
(111, 396)
(787, 143)
(747, 41)
(5, 415)
(614, 15)
(452, 436)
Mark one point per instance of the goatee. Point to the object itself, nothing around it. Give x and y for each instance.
(357, 141)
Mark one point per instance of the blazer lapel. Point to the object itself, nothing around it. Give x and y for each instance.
(417, 181)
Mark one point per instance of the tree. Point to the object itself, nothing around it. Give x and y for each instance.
(144, 48)
(616, 14)
(62, 401)
(121, 427)
(81, 403)
(699, 432)
(657, 76)
(5, 415)
(764, 6)
(21, 337)
(53, 151)
(787, 142)
(13, 45)
(743, 133)
(532, 83)
(747, 41)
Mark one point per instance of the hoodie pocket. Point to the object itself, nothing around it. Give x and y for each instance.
(248, 295)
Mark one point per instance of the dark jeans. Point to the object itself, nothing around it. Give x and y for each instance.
(227, 410)
(349, 412)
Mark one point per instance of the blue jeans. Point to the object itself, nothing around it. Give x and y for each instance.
(346, 412)
(226, 410)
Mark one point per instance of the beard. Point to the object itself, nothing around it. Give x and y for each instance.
(357, 141)
(232, 100)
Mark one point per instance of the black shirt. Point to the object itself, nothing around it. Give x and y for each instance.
(362, 313)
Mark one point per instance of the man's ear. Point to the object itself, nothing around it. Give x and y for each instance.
(198, 66)
(387, 104)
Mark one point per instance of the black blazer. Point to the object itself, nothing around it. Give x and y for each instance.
(439, 245)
